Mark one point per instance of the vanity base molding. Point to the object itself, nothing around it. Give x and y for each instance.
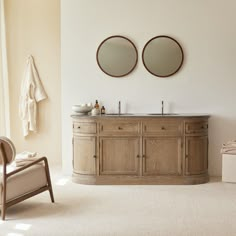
(140, 149)
(139, 180)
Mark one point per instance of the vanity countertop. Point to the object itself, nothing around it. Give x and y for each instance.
(143, 115)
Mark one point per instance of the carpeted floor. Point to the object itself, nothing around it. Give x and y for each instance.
(207, 209)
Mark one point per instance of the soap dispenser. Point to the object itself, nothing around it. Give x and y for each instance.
(103, 111)
(96, 104)
(95, 111)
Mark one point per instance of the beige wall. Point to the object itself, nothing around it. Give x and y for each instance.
(33, 27)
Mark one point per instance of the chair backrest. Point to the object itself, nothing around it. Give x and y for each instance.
(8, 149)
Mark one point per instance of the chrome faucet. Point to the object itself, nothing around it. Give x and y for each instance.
(119, 107)
(162, 107)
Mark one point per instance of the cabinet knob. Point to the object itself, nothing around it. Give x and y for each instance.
(119, 128)
(78, 127)
(94, 156)
(144, 156)
(137, 156)
(163, 128)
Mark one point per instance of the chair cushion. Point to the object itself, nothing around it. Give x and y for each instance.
(24, 182)
(9, 149)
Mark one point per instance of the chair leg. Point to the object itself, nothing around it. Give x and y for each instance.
(51, 194)
(3, 212)
(49, 180)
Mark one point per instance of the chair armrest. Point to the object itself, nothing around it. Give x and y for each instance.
(27, 166)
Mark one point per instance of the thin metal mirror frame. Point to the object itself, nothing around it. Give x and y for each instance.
(117, 36)
(181, 63)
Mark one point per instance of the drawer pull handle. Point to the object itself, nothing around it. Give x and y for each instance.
(163, 128)
(120, 128)
(94, 156)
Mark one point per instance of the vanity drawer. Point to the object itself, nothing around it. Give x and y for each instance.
(85, 128)
(163, 127)
(119, 127)
(196, 127)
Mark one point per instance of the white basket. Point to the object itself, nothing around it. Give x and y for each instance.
(229, 168)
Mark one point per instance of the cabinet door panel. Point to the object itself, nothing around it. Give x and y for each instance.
(84, 155)
(162, 156)
(196, 155)
(119, 155)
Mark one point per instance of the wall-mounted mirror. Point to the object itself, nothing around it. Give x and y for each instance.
(162, 56)
(117, 56)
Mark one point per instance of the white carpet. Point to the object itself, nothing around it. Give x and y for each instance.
(199, 210)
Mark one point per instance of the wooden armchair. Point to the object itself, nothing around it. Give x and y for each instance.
(21, 183)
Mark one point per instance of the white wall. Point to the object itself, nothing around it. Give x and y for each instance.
(205, 84)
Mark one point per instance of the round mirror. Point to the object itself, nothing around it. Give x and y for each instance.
(162, 56)
(117, 56)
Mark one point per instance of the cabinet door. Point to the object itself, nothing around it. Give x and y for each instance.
(119, 155)
(84, 155)
(162, 156)
(196, 155)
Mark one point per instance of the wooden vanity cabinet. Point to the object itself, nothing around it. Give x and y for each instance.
(140, 150)
(119, 155)
(119, 147)
(84, 155)
(162, 156)
(84, 148)
(162, 147)
(196, 155)
(196, 147)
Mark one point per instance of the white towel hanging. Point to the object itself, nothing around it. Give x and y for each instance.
(32, 91)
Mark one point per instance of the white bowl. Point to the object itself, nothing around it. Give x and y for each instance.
(83, 108)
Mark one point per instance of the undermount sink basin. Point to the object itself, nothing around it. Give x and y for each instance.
(160, 114)
(117, 114)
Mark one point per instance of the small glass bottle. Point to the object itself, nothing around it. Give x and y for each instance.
(103, 111)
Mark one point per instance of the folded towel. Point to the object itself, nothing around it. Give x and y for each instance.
(25, 155)
(23, 163)
(228, 151)
(229, 147)
(25, 158)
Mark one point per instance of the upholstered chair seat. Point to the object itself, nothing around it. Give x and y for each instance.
(23, 182)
